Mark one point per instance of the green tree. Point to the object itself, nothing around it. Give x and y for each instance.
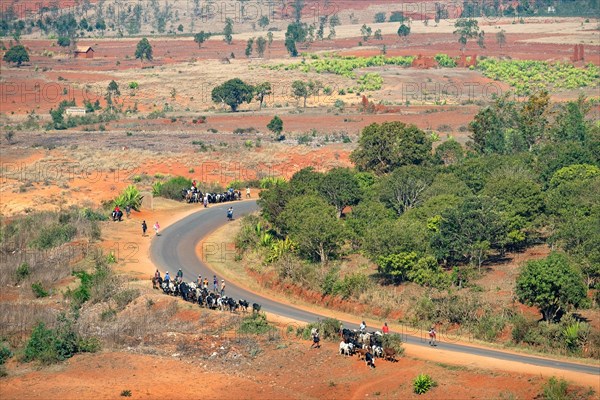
(263, 21)
(404, 31)
(466, 28)
(249, 45)
(379, 17)
(16, 55)
(233, 93)
(468, 231)
(481, 40)
(143, 51)
(312, 223)
(384, 147)
(261, 45)
(403, 189)
(201, 37)
(228, 31)
(275, 125)
(270, 38)
(180, 28)
(552, 285)
(300, 91)
(63, 41)
(365, 32)
(113, 88)
(101, 25)
(450, 152)
(340, 188)
(260, 91)
(364, 216)
(501, 38)
(296, 33)
(397, 266)
(377, 35)
(570, 123)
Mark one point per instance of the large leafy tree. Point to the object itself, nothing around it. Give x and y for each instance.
(306, 181)
(384, 147)
(469, 231)
(296, 33)
(16, 55)
(552, 285)
(300, 90)
(233, 93)
(312, 224)
(340, 187)
(466, 28)
(365, 215)
(403, 189)
(143, 51)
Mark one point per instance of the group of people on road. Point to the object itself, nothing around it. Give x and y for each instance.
(201, 283)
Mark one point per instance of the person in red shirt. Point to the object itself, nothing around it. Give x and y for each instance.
(385, 329)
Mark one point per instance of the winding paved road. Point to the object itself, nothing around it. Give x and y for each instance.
(175, 248)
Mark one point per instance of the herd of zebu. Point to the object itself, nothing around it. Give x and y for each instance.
(196, 196)
(361, 343)
(353, 341)
(190, 291)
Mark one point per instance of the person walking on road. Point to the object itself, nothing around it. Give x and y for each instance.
(157, 228)
(385, 329)
(215, 283)
(222, 287)
(230, 214)
(144, 228)
(248, 192)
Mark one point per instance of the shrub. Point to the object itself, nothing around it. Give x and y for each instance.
(329, 329)
(255, 324)
(423, 383)
(38, 290)
(5, 354)
(53, 235)
(351, 285)
(22, 272)
(556, 389)
(130, 195)
(172, 188)
(393, 341)
(126, 393)
(53, 345)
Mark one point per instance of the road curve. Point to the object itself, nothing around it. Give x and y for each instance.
(175, 248)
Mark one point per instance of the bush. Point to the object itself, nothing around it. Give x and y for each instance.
(5, 354)
(130, 195)
(53, 345)
(423, 383)
(53, 236)
(351, 285)
(255, 324)
(22, 272)
(329, 329)
(556, 389)
(172, 188)
(393, 341)
(38, 290)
